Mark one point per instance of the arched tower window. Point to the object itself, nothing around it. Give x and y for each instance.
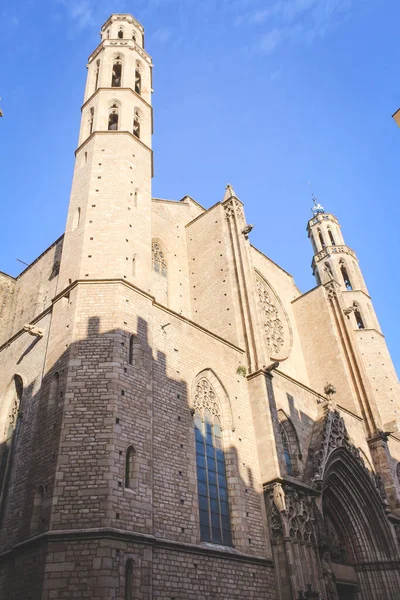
(129, 579)
(135, 351)
(13, 400)
(113, 117)
(331, 238)
(96, 83)
(359, 319)
(212, 486)
(120, 34)
(130, 468)
(159, 260)
(328, 270)
(138, 79)
(345, 276)
(54, 389)
(91, 118)
(286, 450)
(321, 239)
(136, 123)
(36, 518)
(290, 443)
(134, 36)
(117, 72)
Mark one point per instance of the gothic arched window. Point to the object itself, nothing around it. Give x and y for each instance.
(332, 239)
(128, 595)
(130, 468)
(212, 486)
(96, 83)
(328, 270)
(136, 123)
(321, 239)
(345, 276)
(158, 258)
(91, 118)
(135, 351)
(36, 518)
(113, 117)
(120, 34)
(117, 72)
(138, 80)
(359, 319)
(54, 388)
(286, 450)
(13, 400)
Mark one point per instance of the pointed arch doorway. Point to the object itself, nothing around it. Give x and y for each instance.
(362, 549)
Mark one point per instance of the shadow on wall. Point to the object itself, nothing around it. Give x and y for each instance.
(110, 441)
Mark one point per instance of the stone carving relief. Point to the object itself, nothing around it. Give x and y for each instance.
(335, 435)
(159, 260)
(232, 208)
(206, 399)
(274, 320)
(292, 513)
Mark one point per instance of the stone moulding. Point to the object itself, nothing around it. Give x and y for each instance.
(277, 329)
(334, 436)
(134, 538)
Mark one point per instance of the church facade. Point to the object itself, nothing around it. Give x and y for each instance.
(177, 420)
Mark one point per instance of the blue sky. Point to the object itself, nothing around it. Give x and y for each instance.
(264, 94)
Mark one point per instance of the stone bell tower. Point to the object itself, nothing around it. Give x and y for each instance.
(334, 260)
(110, 205)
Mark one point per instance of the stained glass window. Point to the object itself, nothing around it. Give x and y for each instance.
(211, 473)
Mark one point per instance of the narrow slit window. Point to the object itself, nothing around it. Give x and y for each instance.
(54, 390)
(36, 519)
(136, 124)
(91, 119)
(120, 34)
(135, 352)
(96, 83)
(128, 595)
(138, 81)
(130, 468)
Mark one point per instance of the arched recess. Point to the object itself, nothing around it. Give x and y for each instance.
(357, 530)
(11, 409)
(213, 471)
(290, 442)
(159, 271)
(223, 398)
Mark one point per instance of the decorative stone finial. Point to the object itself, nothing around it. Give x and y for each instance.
(317, 209)
(229, 192)
(329, 390)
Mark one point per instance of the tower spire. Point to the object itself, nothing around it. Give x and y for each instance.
(317, 208)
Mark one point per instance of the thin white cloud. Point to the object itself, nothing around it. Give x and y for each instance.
(293, 20)
(161, 35)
